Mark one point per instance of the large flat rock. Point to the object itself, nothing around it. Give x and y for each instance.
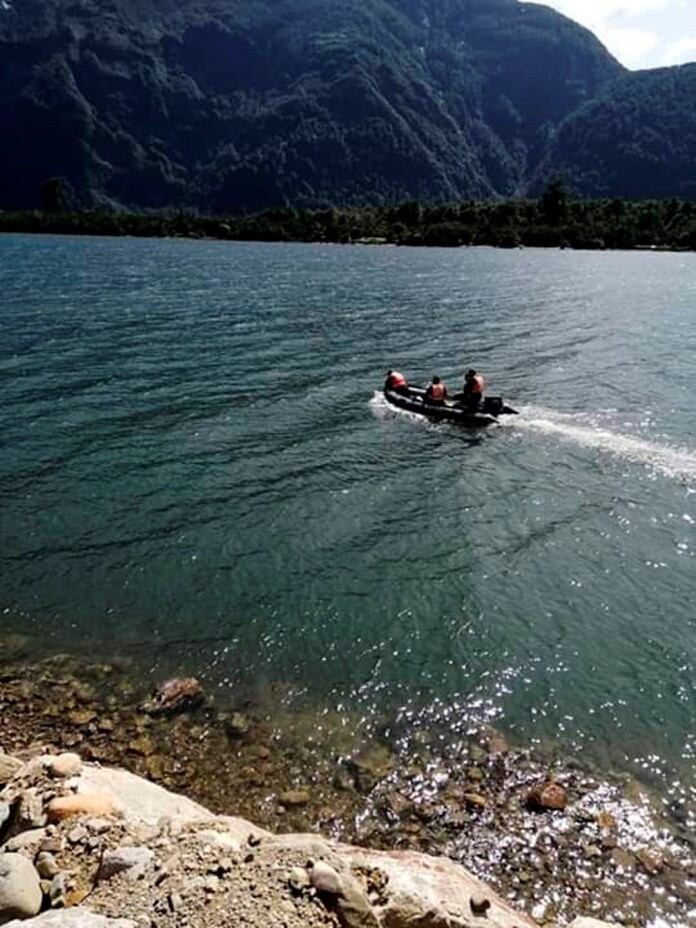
(421, 891)
(138, 800)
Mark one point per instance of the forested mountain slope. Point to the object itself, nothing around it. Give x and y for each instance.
(636, 140)
(245, 104)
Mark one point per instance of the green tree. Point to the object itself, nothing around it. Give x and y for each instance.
(554, 202)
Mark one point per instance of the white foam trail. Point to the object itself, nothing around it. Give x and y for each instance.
(669, 460)
(384, 410)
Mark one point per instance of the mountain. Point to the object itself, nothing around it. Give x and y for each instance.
(246, 104)
(637, 139)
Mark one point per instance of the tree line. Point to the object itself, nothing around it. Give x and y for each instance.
(553, 220)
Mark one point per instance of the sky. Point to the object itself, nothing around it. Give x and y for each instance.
(640, 33)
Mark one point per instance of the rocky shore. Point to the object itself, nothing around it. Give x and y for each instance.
(92, 846)
(553, 838)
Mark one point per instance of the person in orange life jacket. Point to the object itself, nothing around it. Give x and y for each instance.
(436, 392)
(396, 381)
(474, 385)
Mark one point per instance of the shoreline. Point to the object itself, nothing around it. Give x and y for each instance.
(97, 847)
(605, 849)
(596, 225)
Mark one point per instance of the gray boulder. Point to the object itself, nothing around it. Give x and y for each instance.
(20, 891)
(132, 861)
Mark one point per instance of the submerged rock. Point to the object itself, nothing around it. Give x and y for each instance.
(370, 766)
(294, 798)
(180, 694)
(652, 862)
(237, 725)
(548, 796)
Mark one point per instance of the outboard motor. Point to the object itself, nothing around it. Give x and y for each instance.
(493, 405)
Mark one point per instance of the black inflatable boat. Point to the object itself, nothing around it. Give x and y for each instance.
(413, 399)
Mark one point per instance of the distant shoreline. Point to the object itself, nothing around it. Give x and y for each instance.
(554, 221)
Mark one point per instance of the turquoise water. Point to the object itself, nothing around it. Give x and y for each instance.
(195, 466)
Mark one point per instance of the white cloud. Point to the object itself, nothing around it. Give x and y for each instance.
(630, 46)
(680, 51)
(640, 33)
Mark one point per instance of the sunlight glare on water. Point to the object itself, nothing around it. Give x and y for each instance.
(197, 465)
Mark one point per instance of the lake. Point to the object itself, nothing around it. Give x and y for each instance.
(197, 466)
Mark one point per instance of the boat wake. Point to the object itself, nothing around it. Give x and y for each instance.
(669, 460)
(384, 410)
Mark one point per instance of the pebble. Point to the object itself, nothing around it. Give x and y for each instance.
(475, 799)
(132, 861)
(77, 834)
(606, 821)
(52, 844)
(548, 796)
(47, 867)
(30, 813)
(294, 798)
(591, 851)
(180, 694)
(479, 905)
(622, 859)
(98, 826)
(651, 862)
(82, 717)
(325, 879)
(298, 879)
(237, 725)
(57, 891)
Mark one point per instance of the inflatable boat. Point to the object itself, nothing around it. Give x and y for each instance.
(413, 399)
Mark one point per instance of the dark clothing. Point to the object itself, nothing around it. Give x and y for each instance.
(472, 401)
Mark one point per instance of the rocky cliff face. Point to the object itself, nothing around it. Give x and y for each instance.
(223, 106)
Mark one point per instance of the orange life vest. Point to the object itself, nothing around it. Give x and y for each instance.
(478, 384)
(437, 392)
(395, 380)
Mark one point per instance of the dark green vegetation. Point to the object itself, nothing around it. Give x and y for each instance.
(251, 104)
(553, 221)
(636, 139)
(223, 106)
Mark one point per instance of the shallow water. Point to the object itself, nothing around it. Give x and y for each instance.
(195, 465)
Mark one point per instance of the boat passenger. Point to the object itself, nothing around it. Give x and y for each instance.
(474, 385)
(436, 392)
(396, 381)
